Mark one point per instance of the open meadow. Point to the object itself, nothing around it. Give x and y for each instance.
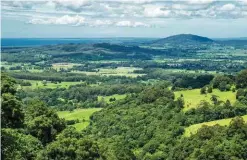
(107, 98)
(192, 98)
(78, 114)
(35, 84)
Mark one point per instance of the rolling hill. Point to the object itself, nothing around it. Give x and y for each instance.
(183, 40)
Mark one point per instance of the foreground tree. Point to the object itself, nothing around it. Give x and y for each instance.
(11, 112)
(70, 144)
(42, 122)
(17, 145)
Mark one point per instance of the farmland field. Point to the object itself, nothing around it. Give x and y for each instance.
(40, 84)
(107, 98)
(59, 66)
(81, 114)
(119, 71)
(192, 98)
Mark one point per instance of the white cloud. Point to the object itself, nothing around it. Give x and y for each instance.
(132, 12)
(131, 24)
(228, 7)
(101, 23)
(156, 11)
(64, 20)
(200, 1)
(74, 5)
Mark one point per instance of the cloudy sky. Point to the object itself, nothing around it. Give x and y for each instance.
(123, 18)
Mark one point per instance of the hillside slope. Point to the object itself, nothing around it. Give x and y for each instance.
(183, 39)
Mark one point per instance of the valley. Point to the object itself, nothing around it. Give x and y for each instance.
(150, 99)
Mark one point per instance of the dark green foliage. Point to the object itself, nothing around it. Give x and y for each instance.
(11, 111)
(241, 96)
(42, 122)
(223, 83)
(70, 144)
(190, 81)
(17, 145)
(8, 84)
(210, 89)
(241, 79)
(203, 90)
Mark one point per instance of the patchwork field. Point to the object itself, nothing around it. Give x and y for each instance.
(81, 114)
(223, 122)
(59, 66)
(192, 98)
(119, 71)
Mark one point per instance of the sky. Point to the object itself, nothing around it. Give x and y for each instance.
(122, 18)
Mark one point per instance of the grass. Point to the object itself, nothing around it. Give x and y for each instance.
(39, 84)
(81, 114)
(107, 98)
(194, 128)
(192, 98)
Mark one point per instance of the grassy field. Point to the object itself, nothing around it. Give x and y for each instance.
(192, 98)
(119, 71)
(40, 84)
(81, 114)
(223, 122)
(107, 98)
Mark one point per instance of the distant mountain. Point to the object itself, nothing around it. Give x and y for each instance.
(183, 40)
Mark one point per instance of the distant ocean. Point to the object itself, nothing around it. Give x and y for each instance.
(24, 42)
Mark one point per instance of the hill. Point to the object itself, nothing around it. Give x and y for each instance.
(183, 39)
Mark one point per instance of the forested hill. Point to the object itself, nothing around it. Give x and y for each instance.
(185, 39)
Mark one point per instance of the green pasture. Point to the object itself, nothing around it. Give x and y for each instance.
(81, 114)
(192, 98)
(40, 84)
(107, 98)
(222, 122)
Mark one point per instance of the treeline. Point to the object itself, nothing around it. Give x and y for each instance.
(70, 77)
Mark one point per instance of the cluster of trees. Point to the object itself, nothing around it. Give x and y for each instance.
(223, 82)
(192, 81)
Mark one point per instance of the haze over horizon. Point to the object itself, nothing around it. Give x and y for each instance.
(137, 18)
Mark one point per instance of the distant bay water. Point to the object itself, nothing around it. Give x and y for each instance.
(25, 42)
